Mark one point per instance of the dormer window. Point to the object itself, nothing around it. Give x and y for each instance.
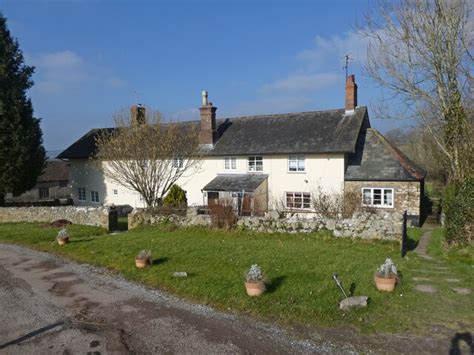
(255, 164)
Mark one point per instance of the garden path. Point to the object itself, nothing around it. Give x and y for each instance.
(436, 270)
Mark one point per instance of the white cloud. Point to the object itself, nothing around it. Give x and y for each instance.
(319, 69)
(63, 70)
(331, 50)
(302, 82)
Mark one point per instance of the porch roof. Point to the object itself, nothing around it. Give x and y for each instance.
(235, 182)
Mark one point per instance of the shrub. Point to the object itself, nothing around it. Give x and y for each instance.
(255, 274)
(387, 270)
(63, 234)
(223, 215)
(144, 255)
(176, 197)
(458, 206)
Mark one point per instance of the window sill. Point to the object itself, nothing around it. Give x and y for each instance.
(296, 172)
(380, 207)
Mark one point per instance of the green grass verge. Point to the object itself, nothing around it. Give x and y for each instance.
(298, 267)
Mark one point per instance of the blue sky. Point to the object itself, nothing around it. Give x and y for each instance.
(95, 57)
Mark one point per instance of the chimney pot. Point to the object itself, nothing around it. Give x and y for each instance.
(351, 94)
(205, 101)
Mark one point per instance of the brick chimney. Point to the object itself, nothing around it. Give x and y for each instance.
(208, 133)
(137, 114)
(351, 94)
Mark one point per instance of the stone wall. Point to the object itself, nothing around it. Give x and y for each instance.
(407, 196)
(140, 216)
(368, 225)
(91, 216)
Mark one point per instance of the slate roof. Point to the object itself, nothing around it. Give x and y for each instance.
(328, 131)
(377, 159)
(235, 182)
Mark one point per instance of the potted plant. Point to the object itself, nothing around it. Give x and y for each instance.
(63, 237)
(255, 281)
(386, 276)
(143, 259)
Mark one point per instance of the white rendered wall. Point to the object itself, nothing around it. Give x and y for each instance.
(323, 171)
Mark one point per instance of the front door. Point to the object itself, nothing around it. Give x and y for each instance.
(212, 199)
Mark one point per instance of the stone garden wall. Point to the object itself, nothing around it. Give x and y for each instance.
(91, 216)
(368, 225)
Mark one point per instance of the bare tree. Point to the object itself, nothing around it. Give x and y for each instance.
(421, 51)
(147, 155)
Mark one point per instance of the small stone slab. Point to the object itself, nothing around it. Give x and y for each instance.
(462, 291)
(180, 274)
(347, 303)
(425, 288)
(453, 280)
(420, 279)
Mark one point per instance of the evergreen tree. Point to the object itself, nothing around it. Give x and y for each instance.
(22, 156)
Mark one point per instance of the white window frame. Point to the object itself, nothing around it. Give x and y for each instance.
(115, 191)
(81, 194)
(230, 163)
(298, 158)
(95, 196)
(302, 205)
(252, 163)
(177, 163)
(382, 195)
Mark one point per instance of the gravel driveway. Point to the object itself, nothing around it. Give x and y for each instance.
(52, 306)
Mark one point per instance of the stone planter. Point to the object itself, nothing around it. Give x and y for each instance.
(384, 284)
(63, 241)
(255, 288)
(141, 263)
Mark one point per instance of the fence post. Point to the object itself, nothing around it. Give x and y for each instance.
(404, 235)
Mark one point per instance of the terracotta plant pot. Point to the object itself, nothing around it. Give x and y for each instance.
(63, 241)
(384, 284)
(141, 263)
(255, 288)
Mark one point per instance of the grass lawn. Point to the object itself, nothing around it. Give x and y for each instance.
(298, 267)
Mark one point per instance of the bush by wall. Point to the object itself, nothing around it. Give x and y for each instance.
(176, 197)
(458, 207)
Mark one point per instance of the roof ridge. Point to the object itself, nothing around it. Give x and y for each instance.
(250, 117)
(404, 161)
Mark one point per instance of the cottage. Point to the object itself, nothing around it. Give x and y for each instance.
(276, 161)
(53, 186)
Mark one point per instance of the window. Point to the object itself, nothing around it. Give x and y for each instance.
(81, 193)
(177, 163)
(115, 192)
(296, 163)
(377, 197)
(230, 163)
(43, 193)
(63, 183)
(301, 200)
(255, 164)
(94, 196)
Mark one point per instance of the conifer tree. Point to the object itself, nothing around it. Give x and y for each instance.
(22, 156)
